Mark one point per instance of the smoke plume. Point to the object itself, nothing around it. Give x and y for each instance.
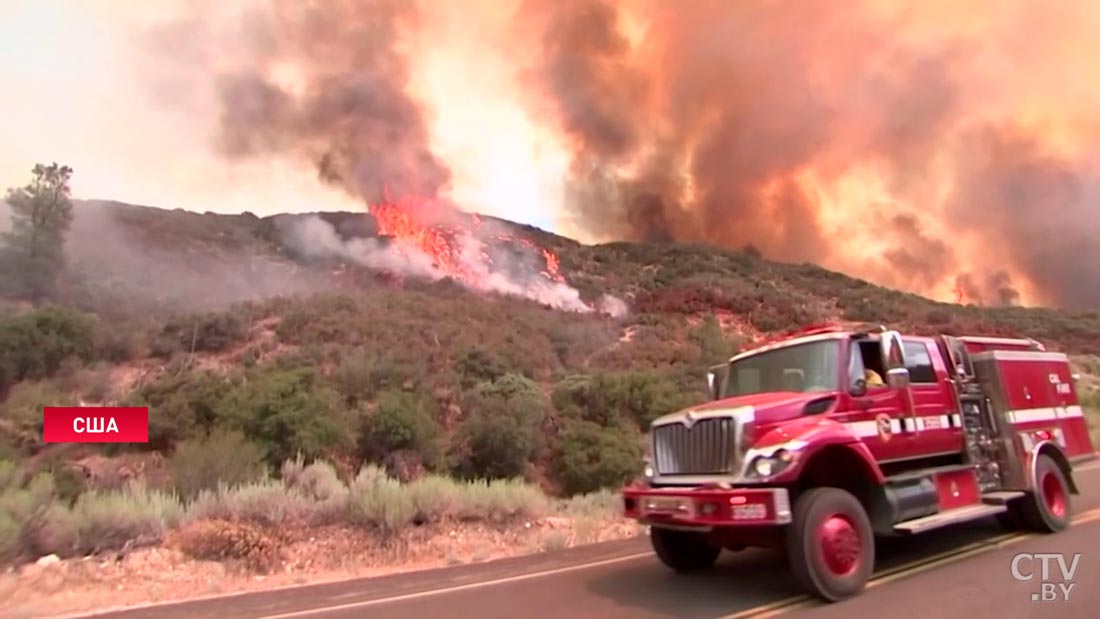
(148, 261)
(890, 143)
(507, 273)
(943, 148)
(328, 82)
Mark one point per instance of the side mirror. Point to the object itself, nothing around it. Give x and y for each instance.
(716, 375)
(897, 378)
(893, 353)
(859, 389)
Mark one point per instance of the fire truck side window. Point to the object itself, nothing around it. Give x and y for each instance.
(871, 358)
(919, 363)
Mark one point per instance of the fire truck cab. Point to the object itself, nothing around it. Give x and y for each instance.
(827, 439)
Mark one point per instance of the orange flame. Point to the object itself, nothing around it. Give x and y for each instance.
(449, 238)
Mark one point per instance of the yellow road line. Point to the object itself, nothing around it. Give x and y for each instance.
(912, 568)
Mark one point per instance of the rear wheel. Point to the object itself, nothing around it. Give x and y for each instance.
(1047, 507)
(830, 546)
(683, 551)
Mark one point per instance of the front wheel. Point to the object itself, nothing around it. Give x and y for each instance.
(830, 545)
(683, 551)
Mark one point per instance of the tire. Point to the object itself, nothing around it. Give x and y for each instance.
(683, 551)
(1047, 507)
(830, 544)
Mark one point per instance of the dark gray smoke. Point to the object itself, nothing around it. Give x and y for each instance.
(327, 81)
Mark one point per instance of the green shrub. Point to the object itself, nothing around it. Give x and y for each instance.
(11, 475)
(268, 502)
(494, 446)
(476, 365)
(181, 406)
(435, 498)
(713, 345)
(11, 539)
(401, 421)
(601, 504)
(380, 501)
(588, 457)
(502, 431)
(110, 520)
(115, 343)
(320, 484)
(22, 411)
(318, 481)
(34, 344)
(29, 507)
(223, 456)
(211, 332)
(501, 500)
(609, 399)
(361, 375)
(287, 412)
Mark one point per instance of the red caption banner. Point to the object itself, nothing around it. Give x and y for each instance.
(95, 424)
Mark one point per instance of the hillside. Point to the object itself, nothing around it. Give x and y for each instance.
(150, 260)
(261, 348)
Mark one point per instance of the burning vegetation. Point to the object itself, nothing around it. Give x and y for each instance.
(923, 146)
(479, 254)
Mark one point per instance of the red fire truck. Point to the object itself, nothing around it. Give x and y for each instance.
(829, 438)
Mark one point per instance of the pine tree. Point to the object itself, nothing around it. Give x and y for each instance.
(32, 253)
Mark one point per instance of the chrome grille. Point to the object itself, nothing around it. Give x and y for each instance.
(705, 448)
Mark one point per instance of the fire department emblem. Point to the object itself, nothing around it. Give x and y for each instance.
(883, 423)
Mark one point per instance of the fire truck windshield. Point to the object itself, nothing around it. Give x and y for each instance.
(805, 368)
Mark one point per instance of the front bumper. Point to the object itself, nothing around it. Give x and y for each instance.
(706, 508)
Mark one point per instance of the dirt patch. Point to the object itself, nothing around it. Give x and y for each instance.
(306, 555)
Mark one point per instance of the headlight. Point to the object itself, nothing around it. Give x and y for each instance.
(648, 471)
(767, 466)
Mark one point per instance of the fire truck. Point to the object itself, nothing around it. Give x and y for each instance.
(827, 439)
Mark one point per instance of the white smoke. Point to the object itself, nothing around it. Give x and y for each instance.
(313, 237)
(613, 306)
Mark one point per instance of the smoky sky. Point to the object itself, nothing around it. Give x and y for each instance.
(327, 81)
(722, 118)
(730, 123)
(1041, 208)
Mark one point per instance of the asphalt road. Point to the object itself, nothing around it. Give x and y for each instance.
(961, 572)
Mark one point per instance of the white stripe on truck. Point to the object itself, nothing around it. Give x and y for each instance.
(953, 422)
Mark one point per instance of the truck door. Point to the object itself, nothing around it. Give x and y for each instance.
(878, 408)
(931, 426)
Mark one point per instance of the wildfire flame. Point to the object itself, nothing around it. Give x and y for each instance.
(455, 242)
(960, 294)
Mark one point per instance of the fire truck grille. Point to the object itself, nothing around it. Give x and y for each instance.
(705, 448)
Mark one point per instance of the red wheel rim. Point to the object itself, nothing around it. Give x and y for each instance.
(841, 547)
(1054, 495)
